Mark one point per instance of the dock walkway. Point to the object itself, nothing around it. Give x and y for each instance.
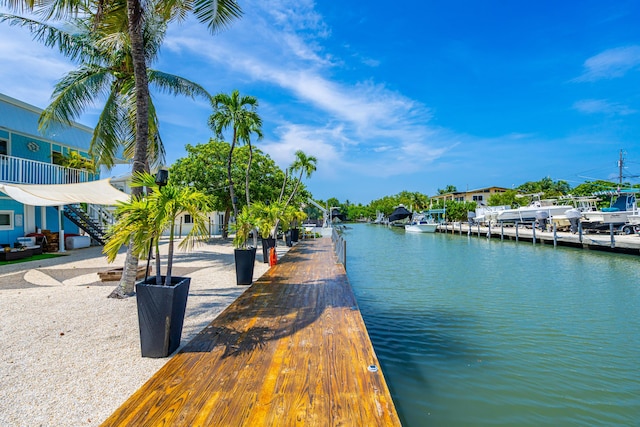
(291, 350)
(629, 244)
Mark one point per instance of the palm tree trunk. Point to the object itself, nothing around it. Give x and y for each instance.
(129, 272)
(225, 223)
(167, 280)
(254, 231)
(140, 164)
(229, 161)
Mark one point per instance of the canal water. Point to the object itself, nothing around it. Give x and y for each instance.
(478, 332)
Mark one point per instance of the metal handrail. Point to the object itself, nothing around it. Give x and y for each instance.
(339, 247)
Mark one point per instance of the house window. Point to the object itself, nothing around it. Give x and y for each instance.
(4, 147)
(6, 220)
(477, 198)
(188, 219)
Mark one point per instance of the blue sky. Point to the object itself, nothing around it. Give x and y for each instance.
(411, 97)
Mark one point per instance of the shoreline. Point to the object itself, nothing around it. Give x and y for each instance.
(71, 356)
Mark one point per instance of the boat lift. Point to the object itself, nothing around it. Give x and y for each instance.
(326, 221)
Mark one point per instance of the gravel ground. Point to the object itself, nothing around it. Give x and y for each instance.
(70, 355)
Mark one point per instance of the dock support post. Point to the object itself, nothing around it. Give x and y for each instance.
(613, 239)
(580, 231)
(460, 227)
(533, 227)
(555, 235)
(516, 231)
(478, 229)
(502, 231)
(489, 232)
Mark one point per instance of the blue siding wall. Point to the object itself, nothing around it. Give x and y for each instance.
(11, 236)
(19, 148)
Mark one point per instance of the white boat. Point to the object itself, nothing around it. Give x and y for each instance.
(535, 210)
(620, 214)
(421, 223)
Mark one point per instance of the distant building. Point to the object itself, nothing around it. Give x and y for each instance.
(480, 195)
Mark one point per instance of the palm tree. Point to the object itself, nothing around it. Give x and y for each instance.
(217, 14)
(306, 165)
(238, 113)
(142, 220)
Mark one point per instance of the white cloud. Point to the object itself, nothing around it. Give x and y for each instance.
(601, 106)
(29, 70)
(611, 63)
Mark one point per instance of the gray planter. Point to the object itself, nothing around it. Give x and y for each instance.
(161, 311)
(245, 262)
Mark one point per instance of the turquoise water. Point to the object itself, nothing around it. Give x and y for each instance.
(473, 332)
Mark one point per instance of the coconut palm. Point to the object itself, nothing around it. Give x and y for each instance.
(217, 14)
(105, 67)
(142, 220)
(238, 113)
(306, 165)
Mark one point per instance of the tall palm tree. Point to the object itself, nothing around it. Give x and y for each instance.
(306, 165)
(216, 14)
(105, 68)
(238, 113)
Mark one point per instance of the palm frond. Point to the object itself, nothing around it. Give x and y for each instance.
(217, 14)
(176, 85)
(74, 93)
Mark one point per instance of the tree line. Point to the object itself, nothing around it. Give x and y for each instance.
(546, 188)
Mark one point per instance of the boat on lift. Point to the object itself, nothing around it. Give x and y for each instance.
(538, 208)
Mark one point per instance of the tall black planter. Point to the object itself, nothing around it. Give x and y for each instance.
(245, 261)
(295, 234)
(267, 244)
(161, 312)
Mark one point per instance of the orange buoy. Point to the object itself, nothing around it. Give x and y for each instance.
(273, 257)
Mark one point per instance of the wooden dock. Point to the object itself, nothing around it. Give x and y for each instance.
(610, 242)
(292, 350)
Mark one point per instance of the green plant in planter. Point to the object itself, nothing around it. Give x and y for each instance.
(143, 220)
(245, 222)
(267, 217)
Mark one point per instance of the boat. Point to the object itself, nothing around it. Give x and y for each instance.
(536, 210)
(421, 223)
(620, 214)
(399, 217)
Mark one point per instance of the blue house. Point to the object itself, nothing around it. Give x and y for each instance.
(30, 157)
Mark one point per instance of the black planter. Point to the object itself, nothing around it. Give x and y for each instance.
(295, 234)
(287, 239)
(161, 312)
(267, 244)
(245, 261)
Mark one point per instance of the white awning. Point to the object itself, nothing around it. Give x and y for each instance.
(94, 192)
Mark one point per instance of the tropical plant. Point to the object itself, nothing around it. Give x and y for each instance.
(245, 222)
(142, 220)
(238, 113)
(267, 217)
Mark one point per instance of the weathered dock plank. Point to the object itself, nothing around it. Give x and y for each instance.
(292, 350)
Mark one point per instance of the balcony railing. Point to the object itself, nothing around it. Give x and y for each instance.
(22, 171)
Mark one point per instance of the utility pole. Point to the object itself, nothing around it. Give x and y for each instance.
(620, 165)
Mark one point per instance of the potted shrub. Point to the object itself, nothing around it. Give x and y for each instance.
(244, 256)
(161, 300)
(291, 217)
(266, 220)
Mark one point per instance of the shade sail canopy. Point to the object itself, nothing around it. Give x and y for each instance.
(95, 192)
